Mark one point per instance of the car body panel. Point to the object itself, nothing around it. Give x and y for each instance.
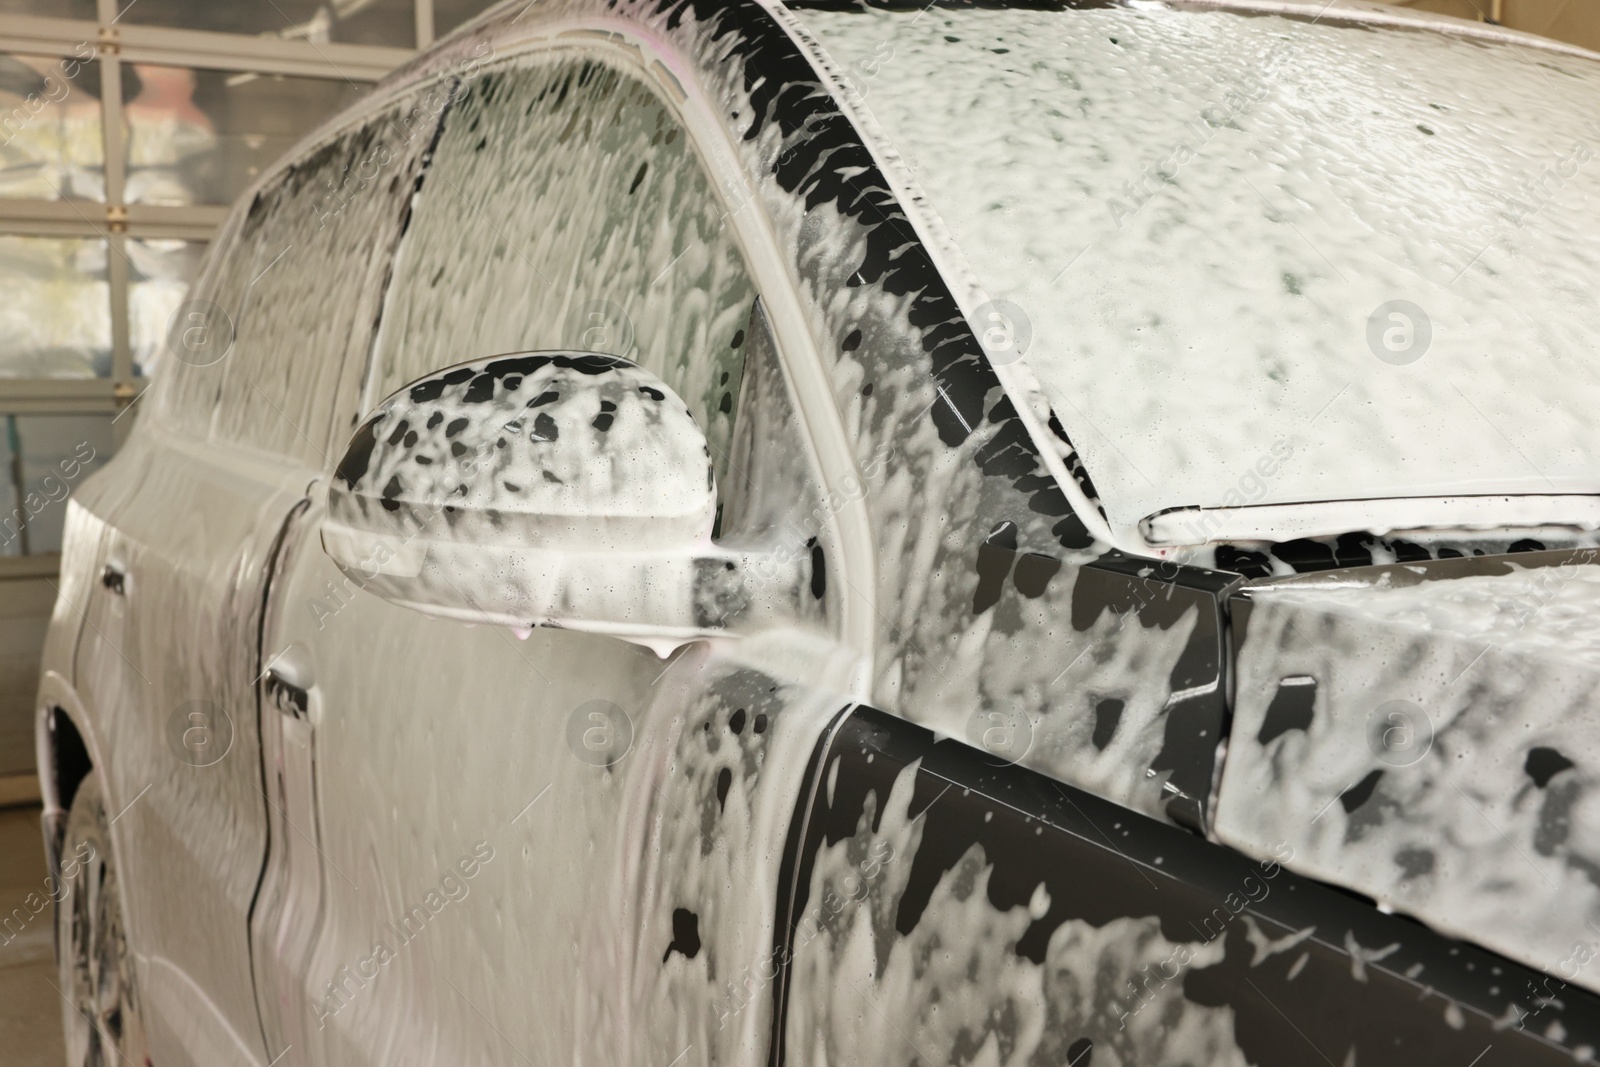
(549, 880)
(1426, 736)
(964, 462)
(952, 910)
(179, 640)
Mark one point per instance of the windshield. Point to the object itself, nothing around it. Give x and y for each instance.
(1265, 259)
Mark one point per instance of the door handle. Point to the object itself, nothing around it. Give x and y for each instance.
(289, 680)
(289, 697)
(114, 578)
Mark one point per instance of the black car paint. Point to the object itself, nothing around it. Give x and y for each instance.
(1160, 593)
(1385, 989)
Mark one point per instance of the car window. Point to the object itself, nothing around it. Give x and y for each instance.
(258, 353)
(565, 209)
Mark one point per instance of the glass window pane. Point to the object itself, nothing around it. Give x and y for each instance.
(61, 9)
(296, 290)
(11, 520)
(382, 22)
(612, 240)
(448, 14)
(50, 142)
(56, 319)
(42, 458)
(202, 136)
(158, 277)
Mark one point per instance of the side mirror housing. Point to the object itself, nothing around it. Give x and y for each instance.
(551, 488)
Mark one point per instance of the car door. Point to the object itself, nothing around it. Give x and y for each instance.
(553, 846)
(195, 504)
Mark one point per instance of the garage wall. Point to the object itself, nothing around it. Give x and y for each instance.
(24, 611)
(1574, 21)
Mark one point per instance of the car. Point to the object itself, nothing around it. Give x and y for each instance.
(709, 532)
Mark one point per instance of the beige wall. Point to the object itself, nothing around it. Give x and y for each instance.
(24, 614)
(1574, 21)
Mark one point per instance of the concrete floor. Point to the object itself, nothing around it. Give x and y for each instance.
(30, 1007)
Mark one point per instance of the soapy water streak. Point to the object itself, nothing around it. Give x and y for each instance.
(802, 533)
(604, 328)
(1146, 590)
(421, 120)
(200, 332)
(748, 984)
(396, 935)
(1151, 979)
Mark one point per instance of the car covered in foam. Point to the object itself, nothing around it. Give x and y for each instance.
(709, 532)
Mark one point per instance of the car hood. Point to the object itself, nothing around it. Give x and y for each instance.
(1256, 257)
(1429, 735)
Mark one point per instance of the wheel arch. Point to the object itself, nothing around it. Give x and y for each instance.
(66, 751)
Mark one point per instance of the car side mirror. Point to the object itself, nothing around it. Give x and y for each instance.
(551, 488)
